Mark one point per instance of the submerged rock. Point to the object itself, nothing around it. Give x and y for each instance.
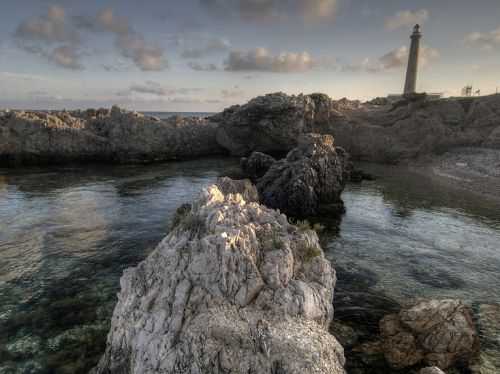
(437, 332)
(310, 179)
(233, 288)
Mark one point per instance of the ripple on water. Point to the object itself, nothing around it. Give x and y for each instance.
(70, 232)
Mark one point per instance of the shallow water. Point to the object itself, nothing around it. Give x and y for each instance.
(67, 233)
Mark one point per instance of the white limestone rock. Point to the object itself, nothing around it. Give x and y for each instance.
(233, 288)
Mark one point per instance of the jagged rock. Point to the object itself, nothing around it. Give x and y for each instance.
(233, 288)
(308, 180)
(437, 332)
(256, 165)
(270, 123)
(102, 135)
(431, 370)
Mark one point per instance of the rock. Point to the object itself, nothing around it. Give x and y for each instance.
(437, 332)
(270, 123)
(102, 135)
(244, 187)
(256, 165)
(233, 288)
(310, 179)
(431, 370)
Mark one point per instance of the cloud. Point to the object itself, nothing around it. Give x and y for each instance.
(67, 57)
(395, 59)
(406, 18)
(280, 10)
(129, 42)
(146, 56)
(202, 67)
(155, 89)
(49, 28)
(51, 37)
(207, 47)
(232, 93)
(487, 40)
(260, 59)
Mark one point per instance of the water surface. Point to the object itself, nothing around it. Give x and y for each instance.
(67, 233)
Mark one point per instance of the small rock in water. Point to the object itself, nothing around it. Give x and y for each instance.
(436, 332)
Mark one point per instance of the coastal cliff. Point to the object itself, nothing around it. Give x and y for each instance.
(376, 131)
(233, 288)
(101, 135)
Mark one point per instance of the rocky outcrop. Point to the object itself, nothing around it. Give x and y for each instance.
(257, 165)
(270, 123)
(436, 332)
(233, 288)
(376, 131)
(309, 180)
(102, 135)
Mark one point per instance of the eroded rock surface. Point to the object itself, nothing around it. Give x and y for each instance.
(436, 332)
(233, 288)
(310, 179)
(102, 135)
(257, 165)
(270, 123)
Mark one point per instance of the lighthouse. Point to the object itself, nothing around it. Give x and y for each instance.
(412, 71)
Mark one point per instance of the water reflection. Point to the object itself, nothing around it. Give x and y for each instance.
(67, 233)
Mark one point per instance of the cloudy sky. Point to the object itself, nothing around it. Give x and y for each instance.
(203, 55)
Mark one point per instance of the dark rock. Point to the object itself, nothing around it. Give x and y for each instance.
(309, 180)
(256, 165)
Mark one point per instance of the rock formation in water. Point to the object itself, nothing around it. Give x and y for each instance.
(234, 288)
(308, 181)
(257, 165)
(436, 332)
(102, 135)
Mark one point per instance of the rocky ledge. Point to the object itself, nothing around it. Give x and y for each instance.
(101, 135)
(375, 131)
(234, 288)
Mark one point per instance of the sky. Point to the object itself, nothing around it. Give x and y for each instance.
(205, 55)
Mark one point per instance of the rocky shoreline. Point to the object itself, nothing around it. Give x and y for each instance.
(376, 131)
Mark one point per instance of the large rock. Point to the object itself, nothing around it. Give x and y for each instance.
(234, 288)
(437, 332)
(309, 180)
(257, 165)
(102, 135)
(270, 123)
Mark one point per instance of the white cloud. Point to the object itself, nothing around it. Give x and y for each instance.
(129, 42)
(406, 18)
(487, 40)
(49, 28)
(205, 47)
(66, 56)
(274, 10)
(260, 59)
(395, 59)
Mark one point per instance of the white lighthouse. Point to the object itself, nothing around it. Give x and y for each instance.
(412, 71)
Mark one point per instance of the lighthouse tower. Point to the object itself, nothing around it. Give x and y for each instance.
(411, 73)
